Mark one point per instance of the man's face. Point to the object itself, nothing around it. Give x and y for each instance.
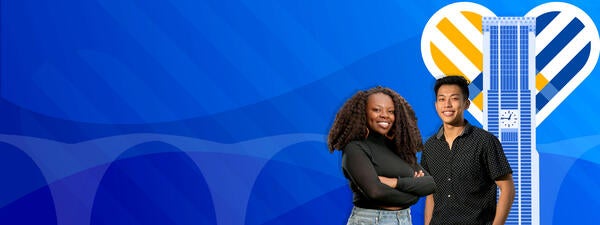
(450, 104)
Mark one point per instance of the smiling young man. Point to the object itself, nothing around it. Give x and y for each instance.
(467, 164)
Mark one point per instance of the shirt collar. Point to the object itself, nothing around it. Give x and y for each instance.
(468, 128)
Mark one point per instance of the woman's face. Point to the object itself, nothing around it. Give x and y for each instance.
(380, 113)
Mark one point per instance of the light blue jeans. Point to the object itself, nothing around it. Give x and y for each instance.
(360, 216)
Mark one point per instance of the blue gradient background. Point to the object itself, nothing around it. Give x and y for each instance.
(216, 112)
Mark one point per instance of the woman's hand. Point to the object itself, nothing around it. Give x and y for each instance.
(420, 173)
(392, 182)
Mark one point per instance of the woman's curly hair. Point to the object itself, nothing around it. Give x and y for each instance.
(350, 124)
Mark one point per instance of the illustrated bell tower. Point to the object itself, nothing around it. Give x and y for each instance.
(509, 105)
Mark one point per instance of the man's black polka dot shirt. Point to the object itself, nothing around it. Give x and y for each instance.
(465, 175)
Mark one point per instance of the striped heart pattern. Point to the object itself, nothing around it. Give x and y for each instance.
(566, 49)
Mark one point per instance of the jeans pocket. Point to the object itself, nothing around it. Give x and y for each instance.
(361, 220)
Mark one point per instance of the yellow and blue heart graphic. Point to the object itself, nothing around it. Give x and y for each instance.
(566, 50)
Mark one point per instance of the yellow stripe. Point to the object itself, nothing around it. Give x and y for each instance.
(442, 62)
(540, 81)
(461, 42)
(475, 19)
(466, 78)
(478, 101)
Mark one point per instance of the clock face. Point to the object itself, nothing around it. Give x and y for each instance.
(509, 118)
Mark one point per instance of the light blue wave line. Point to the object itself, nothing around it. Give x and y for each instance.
(58, 160)
(573, 148)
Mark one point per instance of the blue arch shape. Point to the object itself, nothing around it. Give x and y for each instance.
(18, 175)
(570, 200)
(159, 185)
(300, 183)
(333, 208)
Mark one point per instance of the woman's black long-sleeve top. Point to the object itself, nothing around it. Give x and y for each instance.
(362, 163)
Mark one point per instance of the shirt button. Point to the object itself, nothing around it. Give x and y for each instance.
(449, 179)
(449, 196)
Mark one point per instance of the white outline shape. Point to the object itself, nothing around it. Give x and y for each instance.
(585, 71)
(447, 12)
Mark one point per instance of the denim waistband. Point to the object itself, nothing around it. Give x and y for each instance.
(379, 212)
(379, 217)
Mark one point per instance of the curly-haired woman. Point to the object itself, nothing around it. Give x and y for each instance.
(377, 132)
